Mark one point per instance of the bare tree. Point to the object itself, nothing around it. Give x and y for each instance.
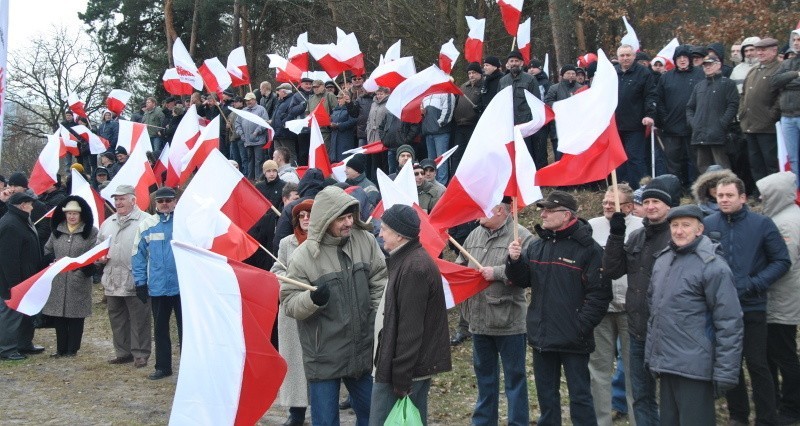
(45, 72)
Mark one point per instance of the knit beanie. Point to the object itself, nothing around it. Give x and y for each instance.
(492, 60)
(406, 148)
(358, 163)
(18, 179)
(403, 220)
(474, 66)
(565, 68)
(666, 188)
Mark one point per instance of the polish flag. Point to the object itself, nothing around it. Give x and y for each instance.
(298, 54)
(132, 134)
(215, 76)
(117, 99)
(495, 163)
(511, 11)
(392, 53)
(173, 84)
(445, 155)
(186, 135)
(337, 169)
(473, 46)
(232, 193)
(237, 67)
(135, 172)
(68, 141)
(459, 282)
(337, 58)
(448, 54)
(161, 165)
(630, 37)
(585, 60)
(370, 148)
(524, 40)
(185, 67)
(285, 71)
(391, 74)
(316, 75)
(321, 114)
(208, 141)
(667, 52)
(97, 145)
(407, 97)
(317, 153)
(207, 227)
(249, 116)
(30, 296)
(783, 153)
(76, 105)
(43, 175)
(82, 188)
(230, 373)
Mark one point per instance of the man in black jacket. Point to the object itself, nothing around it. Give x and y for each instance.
(569, 297)
(636, 108)
(490, 82)
(521, 82)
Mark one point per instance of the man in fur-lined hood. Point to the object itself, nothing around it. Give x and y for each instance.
(705, 187)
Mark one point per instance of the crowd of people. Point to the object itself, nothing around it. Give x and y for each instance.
(678, 294)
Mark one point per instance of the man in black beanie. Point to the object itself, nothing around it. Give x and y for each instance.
(354, 170)
(414, 340)
(521, 82)
(492, 73)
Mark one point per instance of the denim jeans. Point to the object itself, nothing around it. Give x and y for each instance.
(383, 400)
(255, 158)
(638, 164)
(511, 351)
(643, 386)
(238, 153)
(791, 136)
(324, 399)
(547, 371)
(156, 143)
(437, 145)
(619, 391)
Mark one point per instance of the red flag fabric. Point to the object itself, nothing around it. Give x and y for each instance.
(448, 54)
(459, 282)
(207, 142)
(511, 11)
(173, 84)
(43, 174)
(215, 76)
(97, 144)
(76, 105)
(237, 67)
(83, 189)
(337, 58)
(230, 372)
(69, 141)
(473, 46)
(524, 40)
(161, 165)
(186, 135)
(407, 97)
(390, 74)
(135, 172)
(117, 99)
(370, 148)
(318, 153)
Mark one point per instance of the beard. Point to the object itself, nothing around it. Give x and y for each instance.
(515, 71)
(751, 61)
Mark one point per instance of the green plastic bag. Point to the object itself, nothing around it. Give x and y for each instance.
(404, 413)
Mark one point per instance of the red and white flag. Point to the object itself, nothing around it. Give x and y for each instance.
(511, 11)
(667, 52)
(160, 168)
(524, 40)
(97, 145)
(445, 155)
(448, 54)
(337, 58)
(585, 60)
(459, 282)
(237, 67)
(207, 142)
(493, 164)
(215, 76)
(285, 71)
(132, 134)
(320, 113)
(392, 53)
(186, 135)
(407, 97)
(76, 105)
(43, 175)
(317, 152)
(630, 37)
(230, 372)
(69, 141)
(184, 65)
(298, 54)
(174, 85)
(82, 188)
(135, 172)
(30, 296)
(117, 99)
(370, 148)
(391, 73)
(249, 116)
(783, 154)
(473, 46)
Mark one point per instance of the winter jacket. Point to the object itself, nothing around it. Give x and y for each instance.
(464, 113)
(153, 262)
(711, 108)
(695, 328)
(337, 337)
(778, 192)
(309, 186)
(364, 103)
(569, 294)
(703, 184)
(362, 182)
(499, 310)
(636, 97)
(173, 122)
(397, 132)
(740, 72)
(376, 120)
(635, 257)
(414, 340)
(154, 119)
(53, 198)
(601, 229)
(755, 251)
(758, 109)
(268, 102)
(787, 81)
(558, 92)
(544, 84)
(673, 91)
(71, 294)
(428, 196)
(109, 130)
(251, 133)
(288, 174)
(489, 88)
(280, 117)
(272, 191)
(438, 115)
(522, 82)
(326, 98)
(117, 277)
(20, 250)
(343, 135)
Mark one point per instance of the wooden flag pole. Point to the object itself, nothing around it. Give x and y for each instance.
(296, 89)
(272, 256)
(109, 205)
(250, 86)
(39, 220)
(513, 42)
(296, 283)
(516, 217)
(465, 252)
(227, 123)
(275, 209)
(616, 192)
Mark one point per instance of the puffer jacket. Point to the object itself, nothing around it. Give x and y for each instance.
(673, 91)
(414, 340)
(601, 229)
(569, 293)
(695, 327)
(711, 108)
(787, 81)
(117, 277)
(635, 257)
(755, 251)
(778, 193)
(337, 337)
(758, 109)
(153, 262)
(703, 184)
(499, 310)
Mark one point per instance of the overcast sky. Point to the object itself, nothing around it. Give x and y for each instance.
(28, 18)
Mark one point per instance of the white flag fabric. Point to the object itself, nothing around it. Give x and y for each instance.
(184, 65)
(630, 37)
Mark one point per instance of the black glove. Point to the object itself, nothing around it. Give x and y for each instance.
(88, 270)
(321, 295)
(617, 223)
(141, 293)
(720, 388)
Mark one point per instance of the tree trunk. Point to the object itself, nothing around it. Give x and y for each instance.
(552, 7)
(169, 28)
(235, 29)
(461, 22)
(334, 12)
(193, 38)
(580, 34)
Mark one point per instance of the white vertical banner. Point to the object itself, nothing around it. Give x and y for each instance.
(3, 67)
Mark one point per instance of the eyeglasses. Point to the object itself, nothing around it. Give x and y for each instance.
(164, 200)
